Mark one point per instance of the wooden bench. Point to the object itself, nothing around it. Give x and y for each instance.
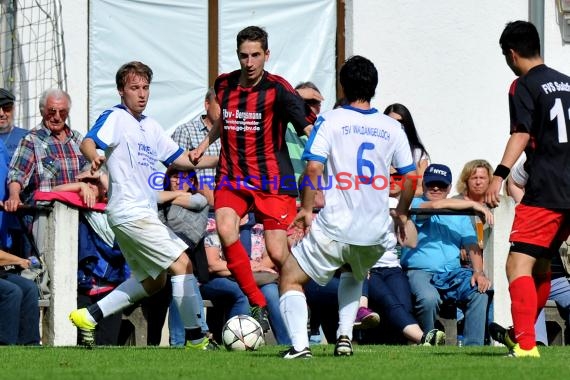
(555, 324)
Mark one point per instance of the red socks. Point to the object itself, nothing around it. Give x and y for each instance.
(238, 264)
(523, 310)
(542, 285)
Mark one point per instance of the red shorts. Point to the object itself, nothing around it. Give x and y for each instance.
(274, 211)
(538, 231)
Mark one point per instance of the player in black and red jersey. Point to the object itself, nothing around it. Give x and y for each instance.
(539, 105)
(254, 171)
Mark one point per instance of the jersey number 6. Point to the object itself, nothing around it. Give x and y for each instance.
(362, 163)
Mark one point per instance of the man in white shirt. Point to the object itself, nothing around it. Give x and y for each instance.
(133, 144)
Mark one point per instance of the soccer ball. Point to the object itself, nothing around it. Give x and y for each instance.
(242, 333)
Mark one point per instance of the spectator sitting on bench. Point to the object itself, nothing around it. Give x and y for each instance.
(183, 208)
(389, 294)
(19, 310)
(47, 156)
(433, 267)
(472, 185)
(101, 265)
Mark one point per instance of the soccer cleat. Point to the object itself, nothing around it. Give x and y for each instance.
(518, 352)
(343, 346)
(366, 319)
(206, 344)
(291, 353)
(433, 337)
(86, 328)
(259, 313)
(502, 335)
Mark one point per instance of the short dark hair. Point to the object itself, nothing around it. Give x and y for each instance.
(522, 37)
(134, 67)
(253, 33)
(358, 78)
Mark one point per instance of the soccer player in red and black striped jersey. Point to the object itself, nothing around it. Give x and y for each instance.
(539, 103)
(254, 170)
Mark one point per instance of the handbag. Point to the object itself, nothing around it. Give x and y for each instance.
(40, 276)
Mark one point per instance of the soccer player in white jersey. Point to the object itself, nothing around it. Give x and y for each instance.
(357, 144)
(133, 144)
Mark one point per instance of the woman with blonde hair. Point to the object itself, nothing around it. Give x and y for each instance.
(472, 185)
(474, 180)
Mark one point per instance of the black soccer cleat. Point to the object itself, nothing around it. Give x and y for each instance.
(502, 335)
(291, 353)
(259, 313)
(343, 346)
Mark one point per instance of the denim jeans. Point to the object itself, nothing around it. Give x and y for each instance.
(224, 288)
(427, 302)
(278, 327)
(389, 294)
(19, 310)
(559, 293)
(175, 325)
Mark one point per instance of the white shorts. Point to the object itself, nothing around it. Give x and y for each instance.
(148, 246)
(320, 256)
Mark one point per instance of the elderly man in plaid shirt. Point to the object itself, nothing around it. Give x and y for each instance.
(49, 155)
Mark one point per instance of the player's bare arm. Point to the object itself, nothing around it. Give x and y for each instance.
(515, 146)
(89, 150)
(410, 231)
(214, 134)
(400, 213)
(313, 171)
(184, 162)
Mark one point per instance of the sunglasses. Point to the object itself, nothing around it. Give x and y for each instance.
(62, 113)
(438, 184)
(7, 107)
(313, 102)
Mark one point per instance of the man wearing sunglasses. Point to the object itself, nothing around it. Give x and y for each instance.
(47, 156)
(9, 133)
(433, 267)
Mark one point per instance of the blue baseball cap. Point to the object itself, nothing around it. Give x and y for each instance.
(437, 173)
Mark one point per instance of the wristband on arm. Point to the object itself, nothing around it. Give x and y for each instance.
(502, 171)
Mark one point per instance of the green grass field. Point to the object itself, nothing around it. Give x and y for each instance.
(369, 362)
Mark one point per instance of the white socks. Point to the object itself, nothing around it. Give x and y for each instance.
(349, 292)
(293, 306)
(186, 299)
(124, 295)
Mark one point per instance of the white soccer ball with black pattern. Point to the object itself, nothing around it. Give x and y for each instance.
(242, 333)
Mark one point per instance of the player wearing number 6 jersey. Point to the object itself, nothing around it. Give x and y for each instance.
(359, 143)
(539, 105)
